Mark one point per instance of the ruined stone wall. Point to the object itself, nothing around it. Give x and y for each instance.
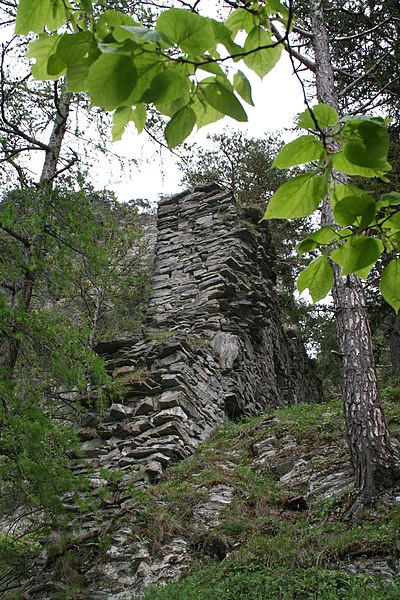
(213, 348)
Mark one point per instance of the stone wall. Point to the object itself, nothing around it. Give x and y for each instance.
(213, 348)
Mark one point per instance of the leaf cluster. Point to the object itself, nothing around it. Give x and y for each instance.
(363, 228)
(175, 66)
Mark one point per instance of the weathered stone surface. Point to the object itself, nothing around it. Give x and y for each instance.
(213, 348)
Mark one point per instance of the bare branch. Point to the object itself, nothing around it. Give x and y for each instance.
(354, 83)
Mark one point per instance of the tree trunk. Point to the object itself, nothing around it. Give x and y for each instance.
(395, 344)
(22, 295)
(373, 455)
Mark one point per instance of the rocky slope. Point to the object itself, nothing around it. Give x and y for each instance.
(258, 511)
(214, 348)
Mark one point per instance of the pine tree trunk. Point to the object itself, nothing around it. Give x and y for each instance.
(395, 344)
(373, 455)
(22, 295)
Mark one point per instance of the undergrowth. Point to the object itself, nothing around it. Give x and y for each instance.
(271, 543)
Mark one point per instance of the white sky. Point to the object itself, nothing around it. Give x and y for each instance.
(278, 99)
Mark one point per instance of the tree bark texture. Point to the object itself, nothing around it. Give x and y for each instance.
(395, 344)
(22, 295)
(373, 454)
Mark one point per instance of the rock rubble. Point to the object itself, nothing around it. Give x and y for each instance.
(213, 348)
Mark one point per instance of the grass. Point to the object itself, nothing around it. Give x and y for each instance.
(235, 581)
(264, 548)
(271, 542)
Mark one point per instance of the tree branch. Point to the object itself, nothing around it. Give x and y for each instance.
(354, 83)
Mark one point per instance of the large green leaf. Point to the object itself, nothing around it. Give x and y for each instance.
(110, 19)
(341, 163)
(78, 51)
(205, 113)
(34, 15)
(168, 86)
(148, 65)
(302, 150)
(390, 284)
(240, 19)
(222, 99)
(41, 50)
(141, 35)
(317, 278)
(357, 253)
(111, 80)
(193, 33)
(324, 114)
(275, 6)
(223, 35)
(366, 143)
(124, 115)
(298, 197)
(318, 238)
(261, 61)
(389, 199)
(180, 126)
(242, 86)
(341, 190)
(350, 208)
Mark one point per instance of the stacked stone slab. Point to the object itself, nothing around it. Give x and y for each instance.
(213, 348)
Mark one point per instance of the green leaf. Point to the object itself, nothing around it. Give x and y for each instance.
(317, 278)
(357, 253)
(35, 15)
(223, 35)
(389, 199)
(341, 190)
(324, 114)
(124, 115)
(298, 197)
(180, 126)
(193, 33)
(222, 99)
(347, 210)
(55, 66)
(261, 61)
(304, 149)
(87, 6)
(240, 20)
(363, 273)
(318, 238)
(109, 20)
(366, 143)
(213, 68)
(205, 114)
(394, 221)
(168, 86)
(368, 216)
(171, 108)
(390, 284)
(41, 50)
(242, 86)
(78, 51)
(111, 80)
(142, 35)
(275, 6)
(341, 163)
(148, 65)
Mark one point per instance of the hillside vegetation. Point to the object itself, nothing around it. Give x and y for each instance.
(281, 530)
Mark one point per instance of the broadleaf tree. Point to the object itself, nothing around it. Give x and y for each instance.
(352, 146)
(46, 227)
